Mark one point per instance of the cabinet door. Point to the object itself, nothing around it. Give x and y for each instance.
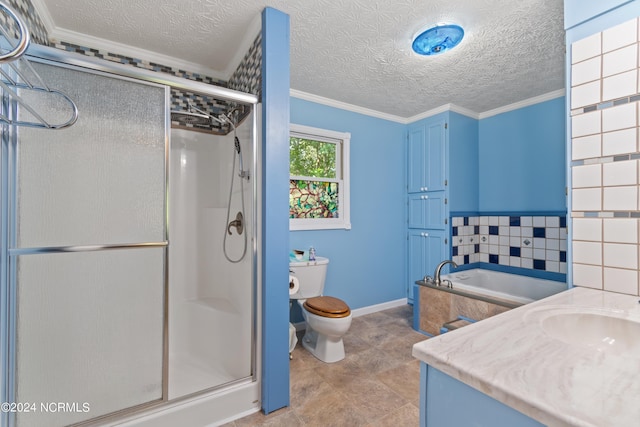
(435, 153)
(427, 248)
(416, 161)
(426, 157)
(427, 210)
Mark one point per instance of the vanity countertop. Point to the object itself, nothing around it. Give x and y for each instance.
(530, 359)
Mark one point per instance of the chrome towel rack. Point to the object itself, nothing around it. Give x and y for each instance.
(14, 70)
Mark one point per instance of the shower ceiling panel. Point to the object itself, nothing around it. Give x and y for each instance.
(357, 52)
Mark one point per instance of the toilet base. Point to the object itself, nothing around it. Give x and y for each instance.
(325, 348)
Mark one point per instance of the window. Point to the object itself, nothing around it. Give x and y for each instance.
(318, 179)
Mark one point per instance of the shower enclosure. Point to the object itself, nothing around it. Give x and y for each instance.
(207, 288)
(116, 300)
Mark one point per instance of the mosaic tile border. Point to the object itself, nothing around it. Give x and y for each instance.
(180, 99)
(246, 78)
(26, 10)
(606, 104)
(524, 241)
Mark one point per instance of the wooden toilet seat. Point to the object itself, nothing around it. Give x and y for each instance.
(327, 307)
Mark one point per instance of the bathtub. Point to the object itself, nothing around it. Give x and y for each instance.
(501, 287)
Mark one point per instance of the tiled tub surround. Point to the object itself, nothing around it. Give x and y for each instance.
(605, 206)
(530, 242)
(438, 307)
(547, 379)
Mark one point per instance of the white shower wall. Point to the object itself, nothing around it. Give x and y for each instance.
(210, 298)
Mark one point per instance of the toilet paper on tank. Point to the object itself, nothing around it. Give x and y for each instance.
(294, 285)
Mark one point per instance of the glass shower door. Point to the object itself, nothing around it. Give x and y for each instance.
(85, 285)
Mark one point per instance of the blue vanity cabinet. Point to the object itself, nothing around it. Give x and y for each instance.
(426, 249)
(448, 402)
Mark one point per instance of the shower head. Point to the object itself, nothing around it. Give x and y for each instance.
(195, 116)
(189, 118)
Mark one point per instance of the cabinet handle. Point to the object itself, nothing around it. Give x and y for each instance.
(424, 234)
(426, 189)
(424, 197)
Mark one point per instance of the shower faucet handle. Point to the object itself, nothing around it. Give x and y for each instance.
(238, 223)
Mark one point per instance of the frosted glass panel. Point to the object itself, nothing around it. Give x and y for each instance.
(102, 180)
(89, 330)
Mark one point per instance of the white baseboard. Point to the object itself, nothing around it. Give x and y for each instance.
(378, 307)
(300, 326)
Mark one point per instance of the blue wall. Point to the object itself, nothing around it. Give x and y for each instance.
(522, 159)
(578, 11)
(464, 168)
(367, 263)
(512, 162)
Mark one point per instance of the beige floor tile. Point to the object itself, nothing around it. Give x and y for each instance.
(406, 416)
(404, 380)
(377, 384)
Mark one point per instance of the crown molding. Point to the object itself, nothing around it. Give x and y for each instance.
(442, 109)
(524, 103)
(345, 106)
(446, 107)
(62, 35)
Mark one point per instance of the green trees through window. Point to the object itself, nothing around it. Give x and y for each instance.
(318, 179)
(311, 158)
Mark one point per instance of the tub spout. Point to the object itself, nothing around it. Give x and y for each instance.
(436, 276)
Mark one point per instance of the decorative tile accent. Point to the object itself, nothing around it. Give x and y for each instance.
(25, 10)
(534, 242)
(246, 78)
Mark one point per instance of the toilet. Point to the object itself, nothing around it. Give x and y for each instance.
(327, 318)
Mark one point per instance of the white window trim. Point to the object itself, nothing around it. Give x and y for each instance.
(344, 199)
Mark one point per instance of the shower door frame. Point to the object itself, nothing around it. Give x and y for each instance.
(8, 173)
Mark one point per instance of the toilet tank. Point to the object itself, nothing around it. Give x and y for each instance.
(311, 275)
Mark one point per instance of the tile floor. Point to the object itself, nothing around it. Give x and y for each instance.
(376, 385)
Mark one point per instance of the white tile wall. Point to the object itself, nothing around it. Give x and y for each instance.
(587, 229)
(586, 124)
(619, 280)
(620, 255)
(587, 252)
(605, 174)
(619, 142)
(586, 147)
(587, 275)
(588, 199)
(620, 35)
(620, 85)
(619, 230)
(586, 71)
(586, 176)
(586, 94)
(620, 117)
(620, 173)
(586, 48)
(620, 198)
(616, 62)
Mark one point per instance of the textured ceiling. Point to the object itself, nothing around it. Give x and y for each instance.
(353, 51)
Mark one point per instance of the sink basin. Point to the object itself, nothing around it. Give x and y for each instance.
(598, 330)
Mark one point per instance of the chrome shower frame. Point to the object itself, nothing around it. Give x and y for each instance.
(8, 228)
